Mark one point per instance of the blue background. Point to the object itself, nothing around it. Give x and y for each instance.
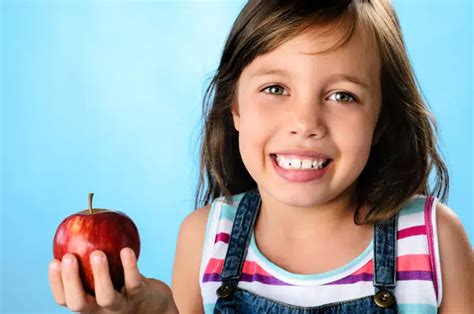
(105, 97)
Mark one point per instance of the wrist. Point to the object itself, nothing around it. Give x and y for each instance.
(158, 299)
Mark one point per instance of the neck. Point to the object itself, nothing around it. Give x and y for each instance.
(293, 224)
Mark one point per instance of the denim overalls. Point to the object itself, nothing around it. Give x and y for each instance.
(235, 300)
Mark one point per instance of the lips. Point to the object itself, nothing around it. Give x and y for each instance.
(300, 175)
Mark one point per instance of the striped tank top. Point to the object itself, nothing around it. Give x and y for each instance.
(418, 288)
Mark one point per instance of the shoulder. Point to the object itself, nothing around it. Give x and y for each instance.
(192, 232)
(453, 240)
(456, 259)
(185, 279)
(195, 222)
(449, 222)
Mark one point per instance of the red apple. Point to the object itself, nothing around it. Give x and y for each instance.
(96, 229)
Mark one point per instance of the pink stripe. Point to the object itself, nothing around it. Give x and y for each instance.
(254, 268)
(412, 231)
(430, 236)
(214, 266)
(409, 267)
(368, 268)
(410, 262)
(413, 262)
(222, 236)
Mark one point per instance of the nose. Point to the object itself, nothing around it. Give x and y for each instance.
(307, 121)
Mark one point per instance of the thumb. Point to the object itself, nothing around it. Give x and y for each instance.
(133, 279)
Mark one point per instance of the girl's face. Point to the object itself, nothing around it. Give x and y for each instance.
(326, 103)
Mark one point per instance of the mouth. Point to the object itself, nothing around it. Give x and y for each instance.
(300, 170)
(300, 163)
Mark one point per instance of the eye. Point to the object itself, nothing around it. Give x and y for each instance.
(275, 90)
(342, 97)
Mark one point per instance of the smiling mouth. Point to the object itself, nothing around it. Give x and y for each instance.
(300, 164)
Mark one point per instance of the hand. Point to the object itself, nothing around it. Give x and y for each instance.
(139, 294)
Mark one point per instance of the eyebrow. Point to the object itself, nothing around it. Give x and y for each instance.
(264, 72)
(333, 78)
(348, 77)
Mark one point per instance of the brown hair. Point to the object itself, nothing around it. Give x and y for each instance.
(400, 162)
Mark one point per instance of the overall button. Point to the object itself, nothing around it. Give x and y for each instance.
(225, 290)
(384, 299)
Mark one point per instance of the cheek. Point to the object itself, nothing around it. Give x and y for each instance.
(255, 123)
(354, 142)
(255, 111)
(256, 129)
(251, 142)
(250, 152)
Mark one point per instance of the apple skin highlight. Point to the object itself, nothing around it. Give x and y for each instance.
(105, 230)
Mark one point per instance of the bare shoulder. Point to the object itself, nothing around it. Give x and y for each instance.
(196, 220)
(457, 262)
(187, 262)
(451, 230)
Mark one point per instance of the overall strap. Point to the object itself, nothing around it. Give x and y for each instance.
(385, 270)
(385, 243)
(240, 237)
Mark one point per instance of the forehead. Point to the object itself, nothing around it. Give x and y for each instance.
(311, 52)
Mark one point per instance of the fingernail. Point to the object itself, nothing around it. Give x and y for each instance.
(96, 258)
(127, 253)
(67, 261)
(54, 265)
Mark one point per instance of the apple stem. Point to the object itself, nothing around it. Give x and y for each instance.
(91, 210)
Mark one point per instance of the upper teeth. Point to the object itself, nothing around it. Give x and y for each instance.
(299, 163)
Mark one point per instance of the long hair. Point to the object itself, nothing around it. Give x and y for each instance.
(400, 162)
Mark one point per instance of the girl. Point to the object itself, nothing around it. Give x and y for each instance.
(314, 172)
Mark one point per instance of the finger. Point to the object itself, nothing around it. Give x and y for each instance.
(73, 290)
(133, 278)
(56, 282)
(106, 296)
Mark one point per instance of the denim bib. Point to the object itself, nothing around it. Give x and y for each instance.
(232, 299)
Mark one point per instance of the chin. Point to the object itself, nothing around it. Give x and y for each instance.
(296, 196)
(303, 201)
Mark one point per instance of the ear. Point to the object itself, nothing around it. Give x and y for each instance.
(235, 116)
(376, 137)
(379, 129)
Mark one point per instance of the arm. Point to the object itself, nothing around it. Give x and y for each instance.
(185, 279)
(457, 263)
